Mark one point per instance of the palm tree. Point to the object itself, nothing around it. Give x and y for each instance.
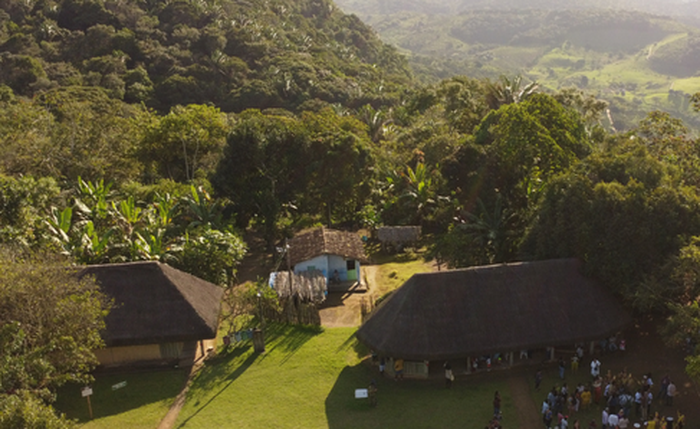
(490, 230)
(506, 91)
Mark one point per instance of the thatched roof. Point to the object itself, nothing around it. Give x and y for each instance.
(155, 303)
(497, 308)
(323, 241)
(398, 234)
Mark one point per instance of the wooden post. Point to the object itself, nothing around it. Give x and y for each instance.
(469, 364)
(551, 353)
(511, 358)
(592, 348)
(89, 406)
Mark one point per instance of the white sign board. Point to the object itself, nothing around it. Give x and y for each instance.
(119, 385)
(87, 391)
(361, 393)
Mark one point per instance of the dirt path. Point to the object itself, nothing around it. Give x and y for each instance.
(170, 418)
(526, 408)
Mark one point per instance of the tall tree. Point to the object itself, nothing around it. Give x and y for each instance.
(51, 322)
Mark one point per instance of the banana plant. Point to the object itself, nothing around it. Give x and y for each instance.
(153, 247)
(202, 209)
(94, 246)
(59, 225)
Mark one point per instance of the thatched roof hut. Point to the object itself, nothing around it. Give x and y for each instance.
(155, 303)
(324, 241)
(497, 308)
(398, 234)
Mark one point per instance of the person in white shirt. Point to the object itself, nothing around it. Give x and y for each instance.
(613, 420)
(595, 368)
(605, 418)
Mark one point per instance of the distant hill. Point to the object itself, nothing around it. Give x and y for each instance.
(235, 54)
(680, 8)
(637, 60)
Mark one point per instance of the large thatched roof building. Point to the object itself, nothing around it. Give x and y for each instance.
(160, 312)
(334, 253)
(498, 308)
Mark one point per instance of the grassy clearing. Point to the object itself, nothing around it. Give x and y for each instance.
(394, 270)
(307, 378)
(141, 404)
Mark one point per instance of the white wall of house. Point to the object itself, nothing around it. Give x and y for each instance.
(328, 264)
(317, 263)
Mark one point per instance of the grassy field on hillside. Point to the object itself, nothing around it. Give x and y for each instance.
(142, 403)
(307, 379)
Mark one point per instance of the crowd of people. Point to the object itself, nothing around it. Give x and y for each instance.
(626, 401)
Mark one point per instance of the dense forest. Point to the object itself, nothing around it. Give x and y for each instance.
(171, 131)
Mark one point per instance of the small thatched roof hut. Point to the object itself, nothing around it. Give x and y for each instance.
(497, 308)
(324, 241)
(398, 234)
(155, 303)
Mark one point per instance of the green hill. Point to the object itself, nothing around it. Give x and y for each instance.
(234, 54)
(637, 61)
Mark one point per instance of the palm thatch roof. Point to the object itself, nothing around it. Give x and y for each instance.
(497, 308)
(155, 303)
(398, 234)
(324, 241)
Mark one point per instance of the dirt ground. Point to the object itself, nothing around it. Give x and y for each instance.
(344, 309)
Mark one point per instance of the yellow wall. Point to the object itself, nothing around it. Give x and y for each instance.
(121, 355)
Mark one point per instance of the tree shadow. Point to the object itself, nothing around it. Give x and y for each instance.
(287, 339)
(142, 388)
(229, 380)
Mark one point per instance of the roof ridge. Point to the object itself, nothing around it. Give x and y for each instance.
(168, 271)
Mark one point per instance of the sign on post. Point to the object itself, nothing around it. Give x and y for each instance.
(361, 393)
(86, 392)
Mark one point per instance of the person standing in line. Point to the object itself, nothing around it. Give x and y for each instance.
(561, 367)
(595, 368)
(398, 369)
(574, 364)
(604, 419)
(496, 404)
(671, 391)
(613, 420)
(538, 380)
(382, 365)
(664, 387)
(449, 376)
(547, 418)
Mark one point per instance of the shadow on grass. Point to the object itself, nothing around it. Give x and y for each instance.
(142, 388)
(287, 339)
(215, 369)
(215, 373)
(414, 403)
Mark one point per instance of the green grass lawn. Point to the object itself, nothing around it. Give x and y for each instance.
(394, 270)
(307, 378)
(142, 403)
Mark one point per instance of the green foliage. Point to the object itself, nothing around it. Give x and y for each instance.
(234, 55)
(616, 212)
(25, 411)
(51, 322)
(184, 143)
(261, 172)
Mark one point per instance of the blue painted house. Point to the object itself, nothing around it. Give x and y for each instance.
(337, 254)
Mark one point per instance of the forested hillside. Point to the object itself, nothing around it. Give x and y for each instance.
(635, 60)
(172, 130)
(233, 54)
